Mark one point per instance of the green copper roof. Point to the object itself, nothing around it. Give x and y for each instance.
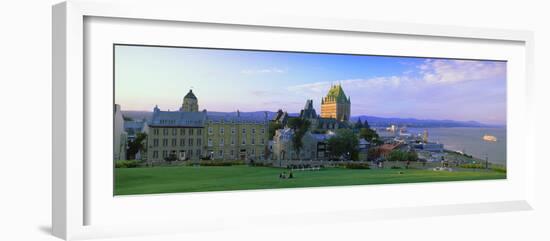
(337, 93)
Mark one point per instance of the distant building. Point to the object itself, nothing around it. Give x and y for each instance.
(322, 145)
(336, 105)
(281, 118)
(134, 127)
(175, 133)
(430, 146)
(386, 149)
(314, 146)
(120, 136)
(320, 123)
(425, 136)
(364, 146)
(308, 112)
(283, 148)
(236, 138)
(190, 103)
(192, 135)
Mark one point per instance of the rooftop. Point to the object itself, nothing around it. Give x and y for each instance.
(190, 95)
(178, 119)
(336, 92)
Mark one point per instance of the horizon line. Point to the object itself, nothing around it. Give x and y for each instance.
(376, 116)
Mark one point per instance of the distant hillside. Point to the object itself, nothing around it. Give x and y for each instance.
(412, 122)
(373, 120)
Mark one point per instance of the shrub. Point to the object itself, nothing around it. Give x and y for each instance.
(260, 164)
(352, 165)
(499, 168)
(126, 163)
(473, 165)
(220, 163)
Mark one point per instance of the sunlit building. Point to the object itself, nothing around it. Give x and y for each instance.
(336, 105)
(189, 134)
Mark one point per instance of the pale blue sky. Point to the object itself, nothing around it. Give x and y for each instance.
(227, 80)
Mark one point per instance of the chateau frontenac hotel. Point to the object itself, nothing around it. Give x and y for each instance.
(190, 134)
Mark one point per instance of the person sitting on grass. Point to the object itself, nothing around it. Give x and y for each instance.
(290, 175)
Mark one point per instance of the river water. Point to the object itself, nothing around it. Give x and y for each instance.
(469, 140)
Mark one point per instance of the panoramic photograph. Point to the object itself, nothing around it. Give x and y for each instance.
(206, 119)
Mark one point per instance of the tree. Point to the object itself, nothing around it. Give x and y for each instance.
(170, 158)
(358, 124)
(273, 126)
(136, 145)
(368, 134)
(412, 156)
(397, 155)
(366, 124)
(345, 142)
(300, 127)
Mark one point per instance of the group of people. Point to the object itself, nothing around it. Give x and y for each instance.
(283, 175)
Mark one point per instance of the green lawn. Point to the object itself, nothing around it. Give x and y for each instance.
(198, 179)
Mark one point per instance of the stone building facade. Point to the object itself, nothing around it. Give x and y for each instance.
(190, 134)
(314, 146)
(236, 138)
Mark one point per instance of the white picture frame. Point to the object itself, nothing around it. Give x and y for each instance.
(72, 189)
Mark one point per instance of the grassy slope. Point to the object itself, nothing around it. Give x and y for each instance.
(196, 179)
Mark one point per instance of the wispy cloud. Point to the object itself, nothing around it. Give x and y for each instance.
(263, 71)
(427, 90)
(440, 71)
(351, 84)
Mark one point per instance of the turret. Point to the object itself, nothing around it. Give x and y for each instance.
(190, 102)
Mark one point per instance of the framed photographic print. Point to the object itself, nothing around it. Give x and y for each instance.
(412, 119)
(280, 118)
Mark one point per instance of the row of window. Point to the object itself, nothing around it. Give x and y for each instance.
(182, 142)
(175, 131)
(235, 122)
(191, 142)
(189, 154)
(233, 130)
(172, 122)
(243, 141)
(232, 153)
(184, 131)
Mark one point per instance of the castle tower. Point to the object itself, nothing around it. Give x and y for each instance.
(335, 104)
(308, 112)
(190, 103)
